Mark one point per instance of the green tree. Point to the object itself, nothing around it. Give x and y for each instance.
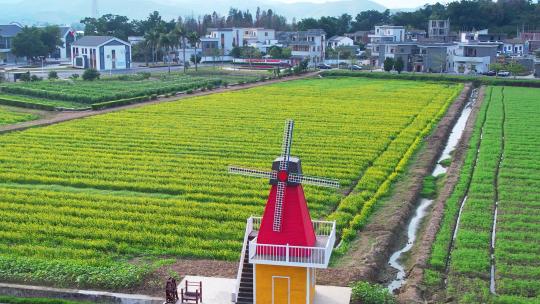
(275, 52)
(109, 25)
(194, 40)
(28, 43)
(515, 68)
(50, 36)
(497, 67)
(399, 65)
(388, 64)
(236, 52)
(151, 40)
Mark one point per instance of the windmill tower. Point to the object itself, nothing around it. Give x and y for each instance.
(95, 11)
(283, 249)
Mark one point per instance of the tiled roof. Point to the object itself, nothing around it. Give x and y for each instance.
(94, 40)
(9, 30)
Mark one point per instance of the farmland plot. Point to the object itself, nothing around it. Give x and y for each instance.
(93, 202)
(496, 250)
(8, 116)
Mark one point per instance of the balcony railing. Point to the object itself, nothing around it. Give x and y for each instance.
(317, 256)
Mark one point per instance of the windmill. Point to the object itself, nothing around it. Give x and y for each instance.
(283, 249)
(286, 179)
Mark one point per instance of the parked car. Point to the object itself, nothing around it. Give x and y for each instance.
(490, 73)
(503, 74)
(324, 66)
(356, 67)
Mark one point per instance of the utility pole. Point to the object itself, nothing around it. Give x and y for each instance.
(95, 11)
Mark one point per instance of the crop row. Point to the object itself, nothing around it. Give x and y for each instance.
(8, 117)
(153, 181)
(504, 131)
(107, 90)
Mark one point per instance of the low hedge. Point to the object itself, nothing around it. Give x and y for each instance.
(477, 80)
(118, 103)
(17, 300)
(24, 104)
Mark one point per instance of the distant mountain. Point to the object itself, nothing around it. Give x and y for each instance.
(70, 11)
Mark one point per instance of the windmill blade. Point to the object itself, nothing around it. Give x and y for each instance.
(278, 211)
(316, 181)
(287, 142)
(251, 172)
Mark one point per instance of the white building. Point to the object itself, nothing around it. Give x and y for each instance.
(472, 57)
(338, 41)
(388, 33)
(101, 53)
(310, 45)
(135, 39)
(514, 47)
(229, 38)
(438, 28)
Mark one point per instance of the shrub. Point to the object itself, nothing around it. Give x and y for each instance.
(189, 91)
(53, 75)
(35, 78)
(153, 97)
(25, 77)
(90, 75)
(74, 76)
(366, 293)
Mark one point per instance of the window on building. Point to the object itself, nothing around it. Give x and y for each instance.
(266, 34)
(441, 23)
(434, 23)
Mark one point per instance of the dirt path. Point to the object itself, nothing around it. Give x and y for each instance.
(412, 291)
(49, 118)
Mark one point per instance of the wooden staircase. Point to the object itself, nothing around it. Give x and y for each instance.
(245, 294)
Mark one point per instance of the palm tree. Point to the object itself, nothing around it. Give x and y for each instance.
(165, 45)
(180, 32)
(151, 40)
(194, 39)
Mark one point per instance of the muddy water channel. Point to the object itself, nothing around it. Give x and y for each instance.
(422, 209)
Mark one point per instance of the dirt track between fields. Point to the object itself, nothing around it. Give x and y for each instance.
(412, 291)
(50, 118)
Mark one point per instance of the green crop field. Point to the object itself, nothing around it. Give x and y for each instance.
(79, 94)
(93, 202)
(503, 173)
(10, 116)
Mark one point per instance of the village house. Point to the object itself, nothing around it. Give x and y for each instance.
(305, 45)
(337, 41)
(229, 38)
(7, 33)
(359, 37)
(67, 36)
(514, 47)
(101, 53)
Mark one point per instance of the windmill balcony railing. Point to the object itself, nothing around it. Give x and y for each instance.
(317, 256)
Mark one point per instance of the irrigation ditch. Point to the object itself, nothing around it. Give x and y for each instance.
(396, 262)
(412, 290)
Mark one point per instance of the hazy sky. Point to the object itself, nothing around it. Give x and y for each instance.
(387, 3)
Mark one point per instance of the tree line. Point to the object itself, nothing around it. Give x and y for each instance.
(501, 16)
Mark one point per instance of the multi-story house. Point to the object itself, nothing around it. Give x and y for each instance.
(439, 29)
(229, 38)
(432, 58)
(7, 33)
(473, 57)
(359, 37)
(384, 41)
(310, 45)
